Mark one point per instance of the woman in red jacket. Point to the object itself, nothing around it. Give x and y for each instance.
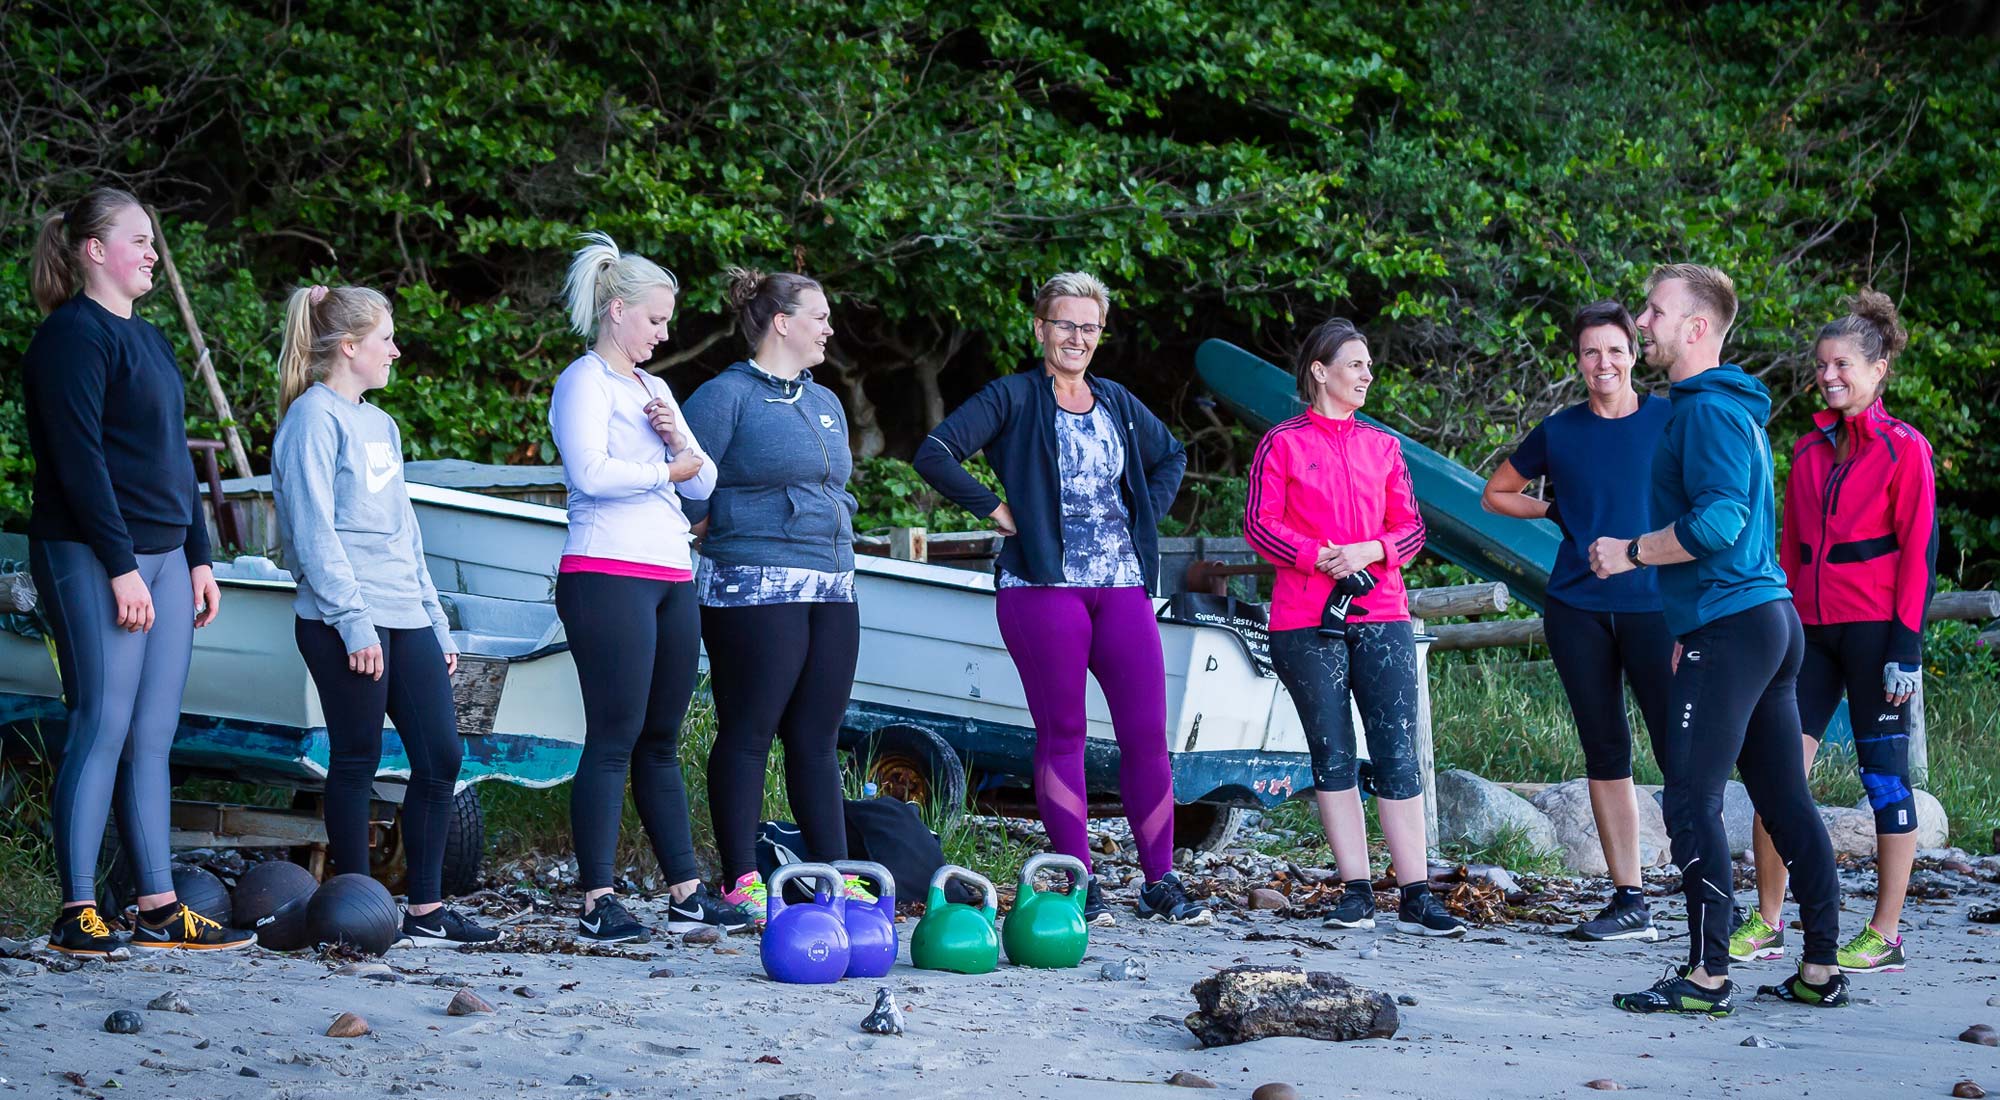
(1859, 547)
(1331, 506)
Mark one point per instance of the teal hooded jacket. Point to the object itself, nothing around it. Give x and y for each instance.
(1712, 481)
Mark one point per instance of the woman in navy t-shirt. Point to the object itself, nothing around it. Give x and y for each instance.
(1598, 457)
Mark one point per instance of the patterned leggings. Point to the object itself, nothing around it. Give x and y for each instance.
(1378, 662)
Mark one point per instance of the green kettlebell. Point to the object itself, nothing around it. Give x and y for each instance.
(953, 935)
(1046, 929)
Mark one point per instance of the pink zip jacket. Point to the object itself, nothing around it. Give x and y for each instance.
(1859, 542)
(1317, 481)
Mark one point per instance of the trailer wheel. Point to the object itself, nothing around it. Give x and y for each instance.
(1207, 827)
(464, 850)
(915, 765)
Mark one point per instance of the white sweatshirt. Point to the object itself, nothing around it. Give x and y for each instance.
(622, 503)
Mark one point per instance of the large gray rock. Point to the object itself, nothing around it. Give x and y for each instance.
(1567, 806)
(1851, 830)
(1933, 825)
(1240, 1004)
(1738, 815)
(1476, 811)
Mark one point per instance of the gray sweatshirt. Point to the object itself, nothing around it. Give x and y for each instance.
(780, 449)
(345, 522)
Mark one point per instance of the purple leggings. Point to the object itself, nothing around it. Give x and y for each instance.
(1054, 636)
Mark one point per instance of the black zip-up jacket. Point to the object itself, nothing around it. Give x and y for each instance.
(107, 424)
(1013, 419)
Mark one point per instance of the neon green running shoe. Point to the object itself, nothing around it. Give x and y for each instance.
(853, 890)
(1756, 941)
(1871, 951)
(749, 896)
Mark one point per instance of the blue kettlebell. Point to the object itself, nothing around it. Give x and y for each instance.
(871, 929)
(806, 943)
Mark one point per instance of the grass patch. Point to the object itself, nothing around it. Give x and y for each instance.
(1510, 849)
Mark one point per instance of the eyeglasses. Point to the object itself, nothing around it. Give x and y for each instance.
(1064, 329)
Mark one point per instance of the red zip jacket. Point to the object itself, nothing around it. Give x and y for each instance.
(1317, 481)
(1859, 543)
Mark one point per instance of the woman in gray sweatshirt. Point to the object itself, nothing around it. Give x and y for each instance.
(369, 626)
(776, 579)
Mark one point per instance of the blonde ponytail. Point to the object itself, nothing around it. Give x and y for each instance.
(317, 319)
(600, 274)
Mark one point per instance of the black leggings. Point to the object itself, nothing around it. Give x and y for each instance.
(1849, 657)
(1377, 662)
(1735, 705)
(415, 693)
(635, 642)
(784, 671)
(1597, 653)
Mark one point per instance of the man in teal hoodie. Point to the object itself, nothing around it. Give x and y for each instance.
(1734, 698)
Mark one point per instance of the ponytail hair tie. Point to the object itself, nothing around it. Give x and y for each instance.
(316, 294)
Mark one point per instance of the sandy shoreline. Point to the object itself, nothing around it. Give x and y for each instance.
(1512, 1011)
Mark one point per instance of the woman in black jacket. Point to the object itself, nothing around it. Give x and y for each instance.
(1088, 471)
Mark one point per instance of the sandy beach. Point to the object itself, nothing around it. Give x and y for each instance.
(1514, 1010)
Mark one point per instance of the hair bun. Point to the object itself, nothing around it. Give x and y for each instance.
(744, 284)
(1879, 309)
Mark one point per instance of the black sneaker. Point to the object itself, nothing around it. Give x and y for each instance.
(1355, 909)
(1675, 993)
(1830, 994)
(1423, 914)
(188, 930)
(703, 909)
(82, 931)
(1097, 911)
(1630, 922)
(1167, 900)
(610, 922)
(444, 928)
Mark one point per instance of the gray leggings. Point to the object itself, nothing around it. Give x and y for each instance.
(124, 696)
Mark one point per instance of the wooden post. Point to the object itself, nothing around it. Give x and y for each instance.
(1426, 750)
(1920, 755)
(203, 365)
(908, 544)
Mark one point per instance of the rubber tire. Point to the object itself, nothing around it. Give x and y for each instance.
(1207, 827)
(464, 845)
(914, 763)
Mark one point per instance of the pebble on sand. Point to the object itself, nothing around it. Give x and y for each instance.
(1604, 1084)
(1263, 897)
(1981, 1034)
(584, 1079)
(701, 936)
(1969, 1089)
(662, 972)
(1186, 1080)
(1762, 1043)
(1276, 1090)
(887, 1018)
(170, 1001)
(1127, 970)
(348, 1025)
(124, 1022)
(466, 1003)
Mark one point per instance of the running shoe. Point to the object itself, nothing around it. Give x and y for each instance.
(1355, 909)
(1675, 993)
(1422, 914)
(1756, 941)
(1829, 994)
(1168, 900)
(1871, 952)
(749, 896)
(81, 931)
(444, 927)
(610, 922)
(854, 890)
(1097, 911)
(703, 909)
(1616, 922)
(188, 930)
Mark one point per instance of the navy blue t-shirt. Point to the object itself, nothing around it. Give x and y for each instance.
(1600, 473)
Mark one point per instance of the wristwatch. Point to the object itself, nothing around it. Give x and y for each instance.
(1632, 553)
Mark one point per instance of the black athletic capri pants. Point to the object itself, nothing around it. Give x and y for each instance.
(1597, 654)
(1848, 657)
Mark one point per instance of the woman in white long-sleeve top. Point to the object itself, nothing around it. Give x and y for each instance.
(625, 586)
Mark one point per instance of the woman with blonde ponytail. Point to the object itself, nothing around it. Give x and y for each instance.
(624, 588)
(369, 625)
(119, 551)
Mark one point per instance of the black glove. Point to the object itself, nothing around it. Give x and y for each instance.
(1333, 620)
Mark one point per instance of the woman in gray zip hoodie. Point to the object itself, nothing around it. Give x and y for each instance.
(776, 579)
(370, 626)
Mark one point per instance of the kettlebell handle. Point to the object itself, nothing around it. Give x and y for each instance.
(864, 869)
(774, 897)
(952, 871)
(1079, 874)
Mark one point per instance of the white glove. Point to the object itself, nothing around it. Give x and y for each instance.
(1898, 683)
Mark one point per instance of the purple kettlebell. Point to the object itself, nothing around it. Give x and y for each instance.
(871, 929)
(805, 944)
